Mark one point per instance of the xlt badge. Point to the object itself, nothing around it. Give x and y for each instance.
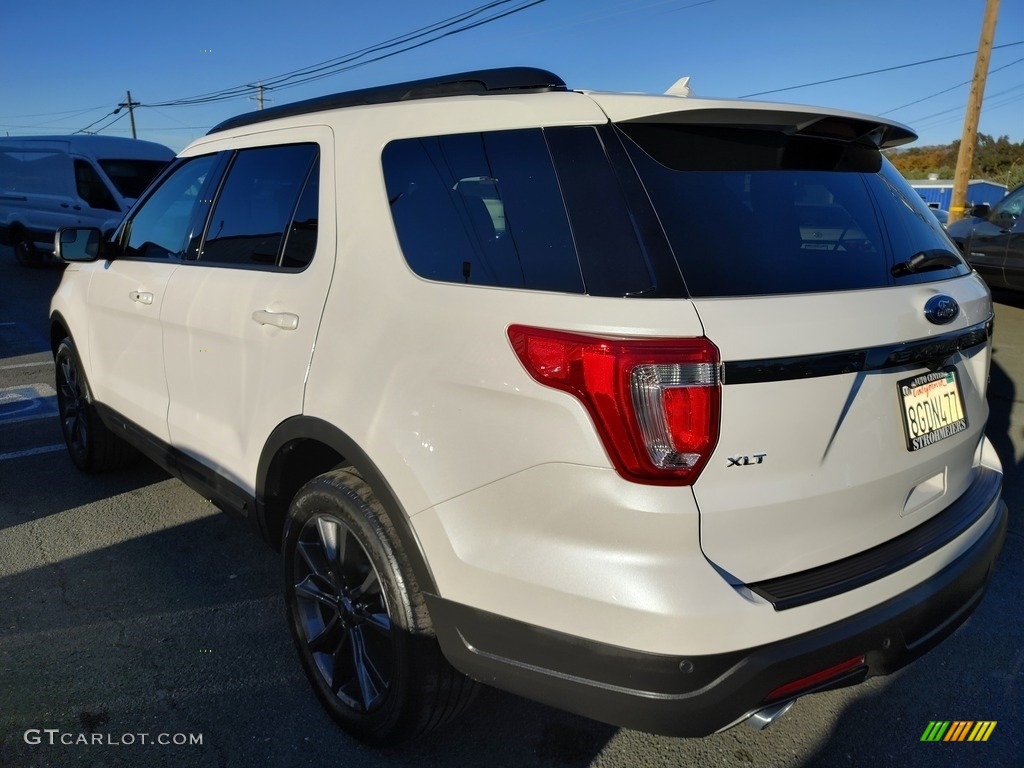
(746, 461)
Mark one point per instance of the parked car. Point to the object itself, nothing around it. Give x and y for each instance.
(992, 239)
(49, 182)
(941, 215)
(662, 410)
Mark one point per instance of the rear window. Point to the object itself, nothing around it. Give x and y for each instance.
(755, 212)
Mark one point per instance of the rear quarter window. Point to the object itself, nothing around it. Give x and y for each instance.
(481, 209)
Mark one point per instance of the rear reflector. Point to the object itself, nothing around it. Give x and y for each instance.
(816, 680)
(655, 402)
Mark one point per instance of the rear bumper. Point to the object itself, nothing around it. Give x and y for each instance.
(699, 695)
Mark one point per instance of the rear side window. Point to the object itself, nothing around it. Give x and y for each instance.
(754, 212)
(256, 206)
(300, 243)
(482, 209)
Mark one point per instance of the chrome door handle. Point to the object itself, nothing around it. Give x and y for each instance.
(143, 297)
(284, 320)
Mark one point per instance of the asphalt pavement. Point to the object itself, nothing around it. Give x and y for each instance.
(140, 626)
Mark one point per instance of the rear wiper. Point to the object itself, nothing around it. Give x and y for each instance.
(937, 258)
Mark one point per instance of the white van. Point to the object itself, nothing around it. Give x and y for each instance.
(48, 182)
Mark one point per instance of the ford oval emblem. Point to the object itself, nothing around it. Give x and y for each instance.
(941, 309)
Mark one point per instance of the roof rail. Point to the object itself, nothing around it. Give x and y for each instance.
(480, 82)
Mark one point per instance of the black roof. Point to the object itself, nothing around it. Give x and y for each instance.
(480, 82)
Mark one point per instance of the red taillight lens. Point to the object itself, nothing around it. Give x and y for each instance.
(655, 402)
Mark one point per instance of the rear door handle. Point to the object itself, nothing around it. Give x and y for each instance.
(284, 320)
(143, 297)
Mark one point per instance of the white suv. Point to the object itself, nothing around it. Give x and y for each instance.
(658, 409)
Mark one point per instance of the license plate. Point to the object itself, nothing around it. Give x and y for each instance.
(933, 408)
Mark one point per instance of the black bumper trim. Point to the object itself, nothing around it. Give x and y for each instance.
(699, 695)
(857, 570)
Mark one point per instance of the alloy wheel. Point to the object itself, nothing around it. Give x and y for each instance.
(342, 613)
(72, 406)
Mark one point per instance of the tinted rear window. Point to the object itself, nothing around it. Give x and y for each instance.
(755, 212)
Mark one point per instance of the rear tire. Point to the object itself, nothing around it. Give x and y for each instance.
(358, 619)
(91, 446)
(24, 250)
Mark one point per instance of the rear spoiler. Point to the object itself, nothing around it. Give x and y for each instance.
(789, 119)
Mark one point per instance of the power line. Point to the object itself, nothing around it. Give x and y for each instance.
(947, 90)
(68, 113)
(461, 22)
(90, 125)
(875, 71)
(959, 109)
(439, 30)
(416, 45)
(104, 127)
(955, 114)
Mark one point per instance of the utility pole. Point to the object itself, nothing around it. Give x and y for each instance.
(259, 95)
(965, 157)
(131, 112)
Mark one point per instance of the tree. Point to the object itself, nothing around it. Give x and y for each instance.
(995, 159)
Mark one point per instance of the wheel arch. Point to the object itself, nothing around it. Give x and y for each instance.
(58, 331)
(303, 447)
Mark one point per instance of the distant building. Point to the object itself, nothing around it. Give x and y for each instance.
(939, 192)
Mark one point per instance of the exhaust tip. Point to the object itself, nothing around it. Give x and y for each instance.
(764, 717)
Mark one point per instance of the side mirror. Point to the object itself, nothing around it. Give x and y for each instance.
(73, 244)
(981, 210)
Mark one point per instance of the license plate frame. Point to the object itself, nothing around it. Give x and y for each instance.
(932, 407)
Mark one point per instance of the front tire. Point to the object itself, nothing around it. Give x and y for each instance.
(91, 446)
(358, 619)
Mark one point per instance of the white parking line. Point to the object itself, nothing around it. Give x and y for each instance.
(31, 452)
(25, 365)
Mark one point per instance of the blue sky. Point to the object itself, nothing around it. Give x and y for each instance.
(66, 66)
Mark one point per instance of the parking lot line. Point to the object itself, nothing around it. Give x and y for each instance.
(31, 452)
(25, 365)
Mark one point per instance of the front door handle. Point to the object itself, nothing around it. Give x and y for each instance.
(284, 320)
(143, 297)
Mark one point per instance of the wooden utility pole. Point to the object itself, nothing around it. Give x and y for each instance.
(131, 112)
(965, 157)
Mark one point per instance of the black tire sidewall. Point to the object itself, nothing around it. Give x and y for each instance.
(385, 724)
(81, 456)
(24, 250)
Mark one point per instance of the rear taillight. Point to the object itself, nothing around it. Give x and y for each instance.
(655, 402)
